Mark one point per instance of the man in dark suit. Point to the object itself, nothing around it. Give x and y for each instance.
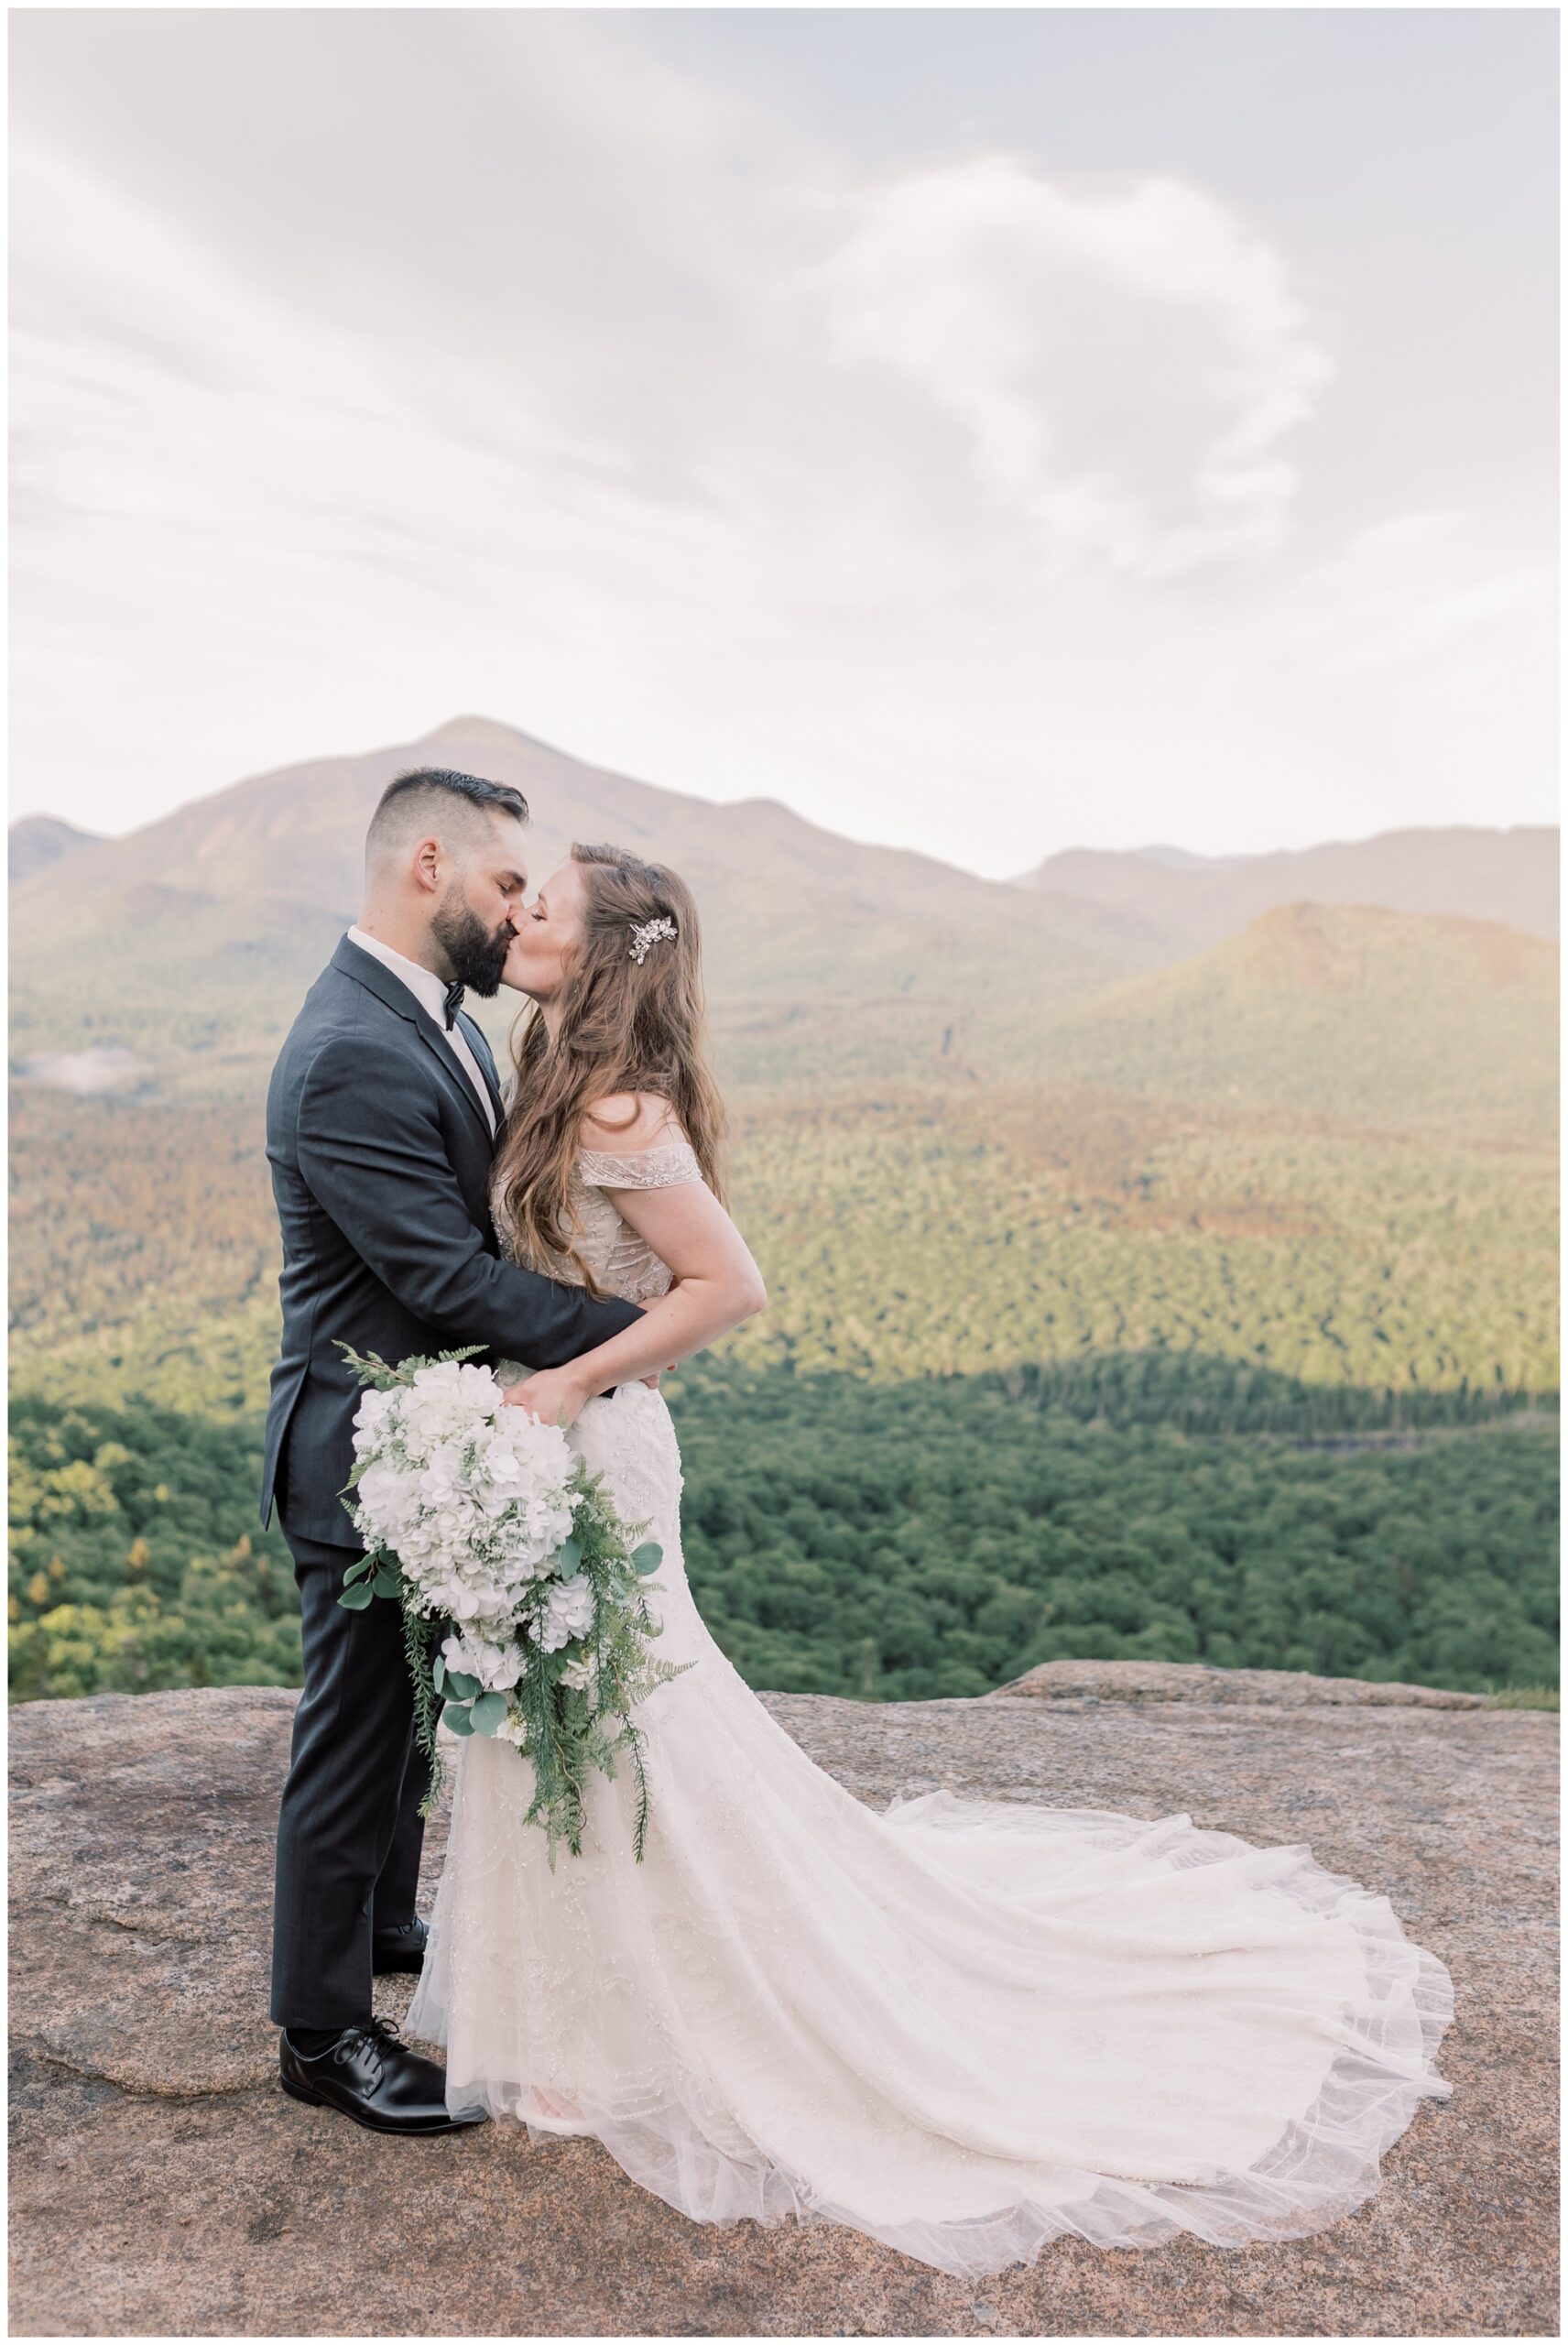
(381, 1121)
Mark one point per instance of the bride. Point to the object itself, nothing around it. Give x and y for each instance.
(963, 2027)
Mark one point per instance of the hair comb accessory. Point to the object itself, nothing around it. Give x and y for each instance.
(649, 932)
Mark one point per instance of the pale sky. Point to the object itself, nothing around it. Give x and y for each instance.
(989, 431)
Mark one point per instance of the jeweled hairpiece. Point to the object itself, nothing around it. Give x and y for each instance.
(649, 932)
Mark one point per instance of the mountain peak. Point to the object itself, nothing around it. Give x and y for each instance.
(475, 731)
(37, 840)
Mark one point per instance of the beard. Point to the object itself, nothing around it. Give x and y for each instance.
(478, 955)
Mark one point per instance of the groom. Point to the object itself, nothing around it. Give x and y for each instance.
(381, 1123)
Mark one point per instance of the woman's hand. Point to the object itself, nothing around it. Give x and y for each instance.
(555, 1395)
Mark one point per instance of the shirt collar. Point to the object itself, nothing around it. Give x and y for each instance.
(428, 989)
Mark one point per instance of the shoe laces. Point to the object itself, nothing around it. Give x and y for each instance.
(374, 2034)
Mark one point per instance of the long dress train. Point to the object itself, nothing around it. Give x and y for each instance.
(964, 2026)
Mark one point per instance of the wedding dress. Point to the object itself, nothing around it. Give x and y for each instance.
(964, 2026)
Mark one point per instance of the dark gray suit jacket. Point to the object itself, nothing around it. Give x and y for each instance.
(380, 1158)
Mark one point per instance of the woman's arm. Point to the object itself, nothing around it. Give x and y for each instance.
(717, 1282)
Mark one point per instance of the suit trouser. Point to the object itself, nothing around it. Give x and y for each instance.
(349, 1829)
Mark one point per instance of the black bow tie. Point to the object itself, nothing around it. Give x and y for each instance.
(452, 1004)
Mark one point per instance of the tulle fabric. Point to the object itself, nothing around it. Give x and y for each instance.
(964, 2027)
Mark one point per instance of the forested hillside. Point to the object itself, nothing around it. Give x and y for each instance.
(892, 1542)
(1015, 1398)
(1203, 1310)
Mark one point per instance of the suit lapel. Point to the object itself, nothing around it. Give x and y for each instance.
(452, 1067)
(379, 980)
(484, 1058)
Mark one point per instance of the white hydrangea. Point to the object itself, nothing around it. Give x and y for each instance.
(568, 1612)
(473, 1497)
(496, 1667)
(475, 1504)
(374, 1406)
(449, 1396)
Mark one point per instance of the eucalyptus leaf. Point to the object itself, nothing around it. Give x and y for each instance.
(648, 1557)
(438, 1672)
(571, 1556)
(460, 1720)
(355, 1598)
(488, 1713)
(387, 1582)
(460, 1687)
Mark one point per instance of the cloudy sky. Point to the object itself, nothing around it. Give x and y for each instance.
(989, 431)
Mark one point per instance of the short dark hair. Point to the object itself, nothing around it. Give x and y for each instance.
(492, 797)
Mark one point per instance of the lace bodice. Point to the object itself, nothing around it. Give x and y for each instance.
(621, 1260)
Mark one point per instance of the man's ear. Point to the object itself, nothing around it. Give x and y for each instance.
(429, 857)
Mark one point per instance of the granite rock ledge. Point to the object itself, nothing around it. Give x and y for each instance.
(161, 2184)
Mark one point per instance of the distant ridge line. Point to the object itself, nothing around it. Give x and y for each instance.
(252, 880)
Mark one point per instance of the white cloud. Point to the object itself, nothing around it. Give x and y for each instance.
(1124, 362)
(956, 505)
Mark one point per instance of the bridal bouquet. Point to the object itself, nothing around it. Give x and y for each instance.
(505, 1553)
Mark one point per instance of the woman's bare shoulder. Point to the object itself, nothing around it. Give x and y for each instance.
(629, 1121)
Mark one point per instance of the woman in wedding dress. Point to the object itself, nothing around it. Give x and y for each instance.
(963, 2027)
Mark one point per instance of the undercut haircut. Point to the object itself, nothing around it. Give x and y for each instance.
(432, 799)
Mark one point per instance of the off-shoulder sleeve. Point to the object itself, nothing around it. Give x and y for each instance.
(647, 1168)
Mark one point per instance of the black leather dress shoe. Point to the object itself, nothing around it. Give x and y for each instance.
(371, 2074)
(402, 1949)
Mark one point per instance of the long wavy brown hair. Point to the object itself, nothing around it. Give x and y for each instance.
(623, 1026)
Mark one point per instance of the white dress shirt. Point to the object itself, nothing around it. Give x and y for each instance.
(430, 994)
